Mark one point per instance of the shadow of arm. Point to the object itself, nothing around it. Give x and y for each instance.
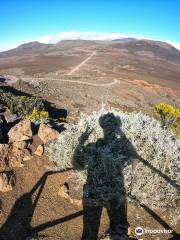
(80, 150)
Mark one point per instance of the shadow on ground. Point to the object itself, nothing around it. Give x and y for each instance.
(18, 224)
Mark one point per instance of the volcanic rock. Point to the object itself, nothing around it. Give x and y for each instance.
(7, 181)
(40, 150)
(47, 134)
(20, 132)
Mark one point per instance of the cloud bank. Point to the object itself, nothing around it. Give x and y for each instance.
(84, 35)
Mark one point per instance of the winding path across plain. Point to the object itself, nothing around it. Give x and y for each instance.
(115, 81)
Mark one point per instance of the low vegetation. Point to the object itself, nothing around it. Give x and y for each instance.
(21, 105)
(37, 115)
(150, 176)
(169, 117)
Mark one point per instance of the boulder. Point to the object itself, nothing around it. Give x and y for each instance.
(16, 157)
(21, 132)
(20, 145)
(11, 156)
(47, 133)
(7, 181)
(40, 150)
(10, 117)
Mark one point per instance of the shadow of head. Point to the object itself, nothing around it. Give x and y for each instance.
(110, 124)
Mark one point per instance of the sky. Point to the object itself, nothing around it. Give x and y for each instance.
(50, 21)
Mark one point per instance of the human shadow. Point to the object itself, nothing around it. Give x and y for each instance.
(104, 187)
(18, 223)
(104, 161)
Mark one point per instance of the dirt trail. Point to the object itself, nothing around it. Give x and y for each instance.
(81, 64)
(115, 81)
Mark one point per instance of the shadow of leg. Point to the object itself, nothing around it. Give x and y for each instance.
(91, 222)
(118, 220)
(18, 223)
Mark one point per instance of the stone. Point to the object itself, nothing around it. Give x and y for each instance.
(20, 145)
(3, 148)
(15, 162)
(64, 191)
(11, 156)
(7, 181)
(39, 151)
(21, 132)
(47, 133)
(10, 117)
(27, 158)
(16, 158)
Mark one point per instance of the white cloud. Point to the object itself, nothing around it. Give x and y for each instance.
(84, 35)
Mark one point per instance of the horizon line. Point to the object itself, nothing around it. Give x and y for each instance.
(86, 35)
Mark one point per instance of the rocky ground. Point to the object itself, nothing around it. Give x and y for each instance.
(36, 203)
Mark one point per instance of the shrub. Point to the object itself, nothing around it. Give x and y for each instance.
(145, 179)
(169, 117)
(37, 115)
(21, 105)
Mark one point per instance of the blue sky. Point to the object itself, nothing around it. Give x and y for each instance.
(27, 20)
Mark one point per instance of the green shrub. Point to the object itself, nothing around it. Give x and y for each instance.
(37, 115)
(21, 105)
(169, 117)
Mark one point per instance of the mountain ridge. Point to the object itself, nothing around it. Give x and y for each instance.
(37, 45)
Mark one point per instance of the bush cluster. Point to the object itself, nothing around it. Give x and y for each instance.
(169, 117)
(151, 179)
(37, 115)
(21, 105)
